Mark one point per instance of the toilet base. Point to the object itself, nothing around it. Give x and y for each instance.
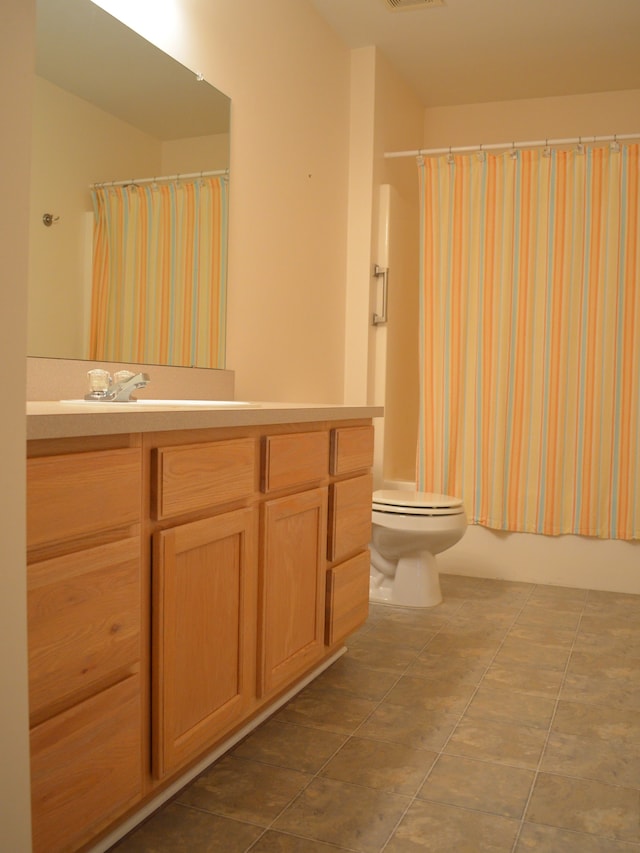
(416, 583)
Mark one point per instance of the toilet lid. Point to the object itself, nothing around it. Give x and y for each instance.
(416, 503)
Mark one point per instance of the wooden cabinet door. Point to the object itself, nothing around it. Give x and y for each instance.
(203, 644)
(292, 588)
(86, 768)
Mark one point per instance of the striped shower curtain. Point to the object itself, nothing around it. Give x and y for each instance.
(530, 338)
(159, 272)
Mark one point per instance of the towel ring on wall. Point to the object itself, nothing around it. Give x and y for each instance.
(49, 219)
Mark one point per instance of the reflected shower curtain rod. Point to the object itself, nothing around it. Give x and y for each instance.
(504, 146)
(179, 177)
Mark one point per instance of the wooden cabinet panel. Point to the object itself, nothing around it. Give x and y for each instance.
(351, 449)
(85, 767)
(203, 648)
(292, 588)
(84, 622)
(347, 597)
(78, 494)
(198, 476)
(349, 516)
(295, 460)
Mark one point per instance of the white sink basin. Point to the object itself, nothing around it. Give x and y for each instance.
(174, 404)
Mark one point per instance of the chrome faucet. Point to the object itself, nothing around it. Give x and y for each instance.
(118, 389)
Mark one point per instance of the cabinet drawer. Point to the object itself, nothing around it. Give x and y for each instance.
(75, 495)
(349, 516)
(84, 622)
(347, 597)
(198, 476)
(295, 460)
(86, 767)
(351, 449)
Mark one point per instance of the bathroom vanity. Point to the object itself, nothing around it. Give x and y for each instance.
(187, 569)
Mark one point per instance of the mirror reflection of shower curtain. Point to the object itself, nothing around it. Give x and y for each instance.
(159, 256)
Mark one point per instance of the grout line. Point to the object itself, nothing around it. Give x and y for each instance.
(550, 726)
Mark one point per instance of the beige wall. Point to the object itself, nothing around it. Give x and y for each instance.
(16, 63)
(531, 119)
(398, 125)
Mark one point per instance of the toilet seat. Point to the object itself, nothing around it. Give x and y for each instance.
(415, 503)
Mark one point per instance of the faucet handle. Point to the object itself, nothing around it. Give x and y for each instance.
(123, 376)
(99, 382)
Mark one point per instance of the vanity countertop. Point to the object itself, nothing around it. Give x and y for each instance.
(52, 419)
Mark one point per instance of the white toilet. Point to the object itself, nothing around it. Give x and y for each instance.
(409, 528)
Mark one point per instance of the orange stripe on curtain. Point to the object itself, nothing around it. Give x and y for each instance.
(530, 339)
(159, 273)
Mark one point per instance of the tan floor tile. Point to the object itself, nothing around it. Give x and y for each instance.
(488, 740)
(601, 679)
(278, 842)
(492, 612)
(553, 604)
(380, 655)
(464, 670)
(429, 618)
(543, 635)
(542, 615)
(408, 636)
(610, 724)
(287, 745)
(180, 829)
(418, 729)
(244, 790)
(472, 643)
(593, 758)
(549, 839)
(524, 679)
(438, 828)
(608, 636)
(544, 593)
(526, 653)
(436, 694)
(350, 676)
(510, 707)
(585, 806)
(348, 815)
(385, 766)
(330, 710)
(619, 603)
(478, 785)
(596, 622)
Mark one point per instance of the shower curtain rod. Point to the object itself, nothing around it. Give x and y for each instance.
(178, 177)
(503, 146)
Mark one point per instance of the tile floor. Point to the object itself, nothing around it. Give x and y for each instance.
(505, 719)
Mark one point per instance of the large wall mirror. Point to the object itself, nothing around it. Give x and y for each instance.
(109, 108)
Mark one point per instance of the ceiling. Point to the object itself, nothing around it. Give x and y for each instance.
(477, 51)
